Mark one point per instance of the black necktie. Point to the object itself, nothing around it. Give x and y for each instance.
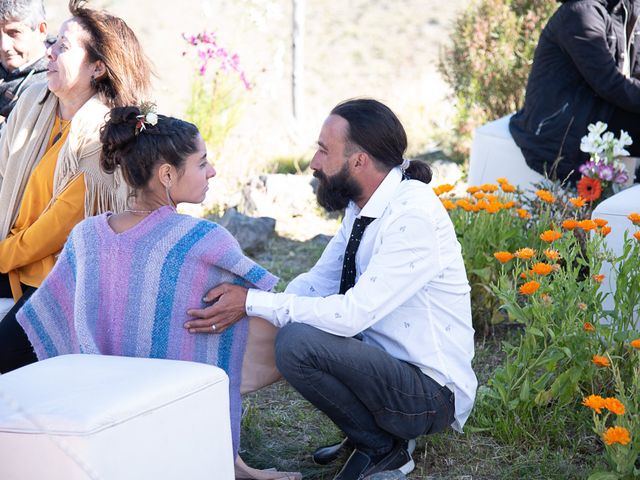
(348, 278)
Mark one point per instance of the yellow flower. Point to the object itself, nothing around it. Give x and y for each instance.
(502, 180)
(503, 257)
(614, 405)
(552, 254)
(525, 253)
(577, 202)
(600, 361)
(635, 343)
(550, 236)
(635, 218)
(545, 196)
(522, 213)
(488, 187)
(616, 435)
(594, 402)
(507, 188)
(569, 224)
(588, 327)
(587, 225)
(529, 288)
(448, 204)
(542, 268)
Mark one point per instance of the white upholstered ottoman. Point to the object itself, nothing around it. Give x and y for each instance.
(115, 418)
(494, 154)
(616, 209)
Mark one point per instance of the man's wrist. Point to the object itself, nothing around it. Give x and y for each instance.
(259, 303)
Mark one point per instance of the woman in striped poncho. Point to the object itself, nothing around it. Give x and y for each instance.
(124, 282)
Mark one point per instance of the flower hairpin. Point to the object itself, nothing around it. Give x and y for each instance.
(147, 117)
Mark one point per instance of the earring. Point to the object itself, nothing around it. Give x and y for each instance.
(169, 200)
(93, 82)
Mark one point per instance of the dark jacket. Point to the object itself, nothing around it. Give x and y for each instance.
(576, 79)
(14, 83)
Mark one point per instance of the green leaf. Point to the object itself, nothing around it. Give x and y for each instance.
(603, 476)
(524, 391)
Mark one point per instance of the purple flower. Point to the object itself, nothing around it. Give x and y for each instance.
(605, 172)
(621, 177)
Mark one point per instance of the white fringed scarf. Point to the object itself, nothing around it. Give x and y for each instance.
(24, 143)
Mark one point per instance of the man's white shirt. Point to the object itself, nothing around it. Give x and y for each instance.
(411, 297)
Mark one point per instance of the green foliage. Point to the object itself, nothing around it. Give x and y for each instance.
(488, 62)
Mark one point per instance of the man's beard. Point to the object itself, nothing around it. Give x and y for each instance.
(335, 192)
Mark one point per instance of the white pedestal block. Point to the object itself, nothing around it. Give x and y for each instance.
(494, 154)
(115, 418)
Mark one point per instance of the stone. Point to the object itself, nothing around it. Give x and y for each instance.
(271, 195)
(253, 234)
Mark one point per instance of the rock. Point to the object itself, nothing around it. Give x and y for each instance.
(321, 239)
(272, 195)
(253, 234)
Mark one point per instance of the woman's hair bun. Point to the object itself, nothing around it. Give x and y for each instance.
(118, 136)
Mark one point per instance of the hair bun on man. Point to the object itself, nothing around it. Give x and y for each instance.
(118, 136)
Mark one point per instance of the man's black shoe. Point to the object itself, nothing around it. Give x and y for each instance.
(327, 454)
(361, 465)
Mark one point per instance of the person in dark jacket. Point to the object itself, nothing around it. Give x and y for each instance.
(23, 32)
(586, 68)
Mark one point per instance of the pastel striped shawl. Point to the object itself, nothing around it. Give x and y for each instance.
(127, 294)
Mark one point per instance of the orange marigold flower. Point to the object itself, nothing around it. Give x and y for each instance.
(503, 257)
(637, 235)
(552, 254)
(546, 299)
(600, 361)
(635, 343)
(589, 188)
(577, 202)
(444, 188)
(475, 208)
(488, 187)
(522, 213)
(604, 231)
(525, 253)
(542, 268)
(529, 288)
(492, 197)
(509, 204)
(598, 278)
(472, 189)
(502, 180)
(569, 224)
(635, 218)
(587, 225)
(449, 205)
(494, 207)
(545, 196)
(478, 195)
(588, 327)
(594, 402)
(550, 236)
(482, 204)
(616, 435)
(614, 405)
(508, 188)
(601, 222)
(523, 275)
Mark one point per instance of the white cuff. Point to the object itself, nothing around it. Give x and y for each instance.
(260, 304)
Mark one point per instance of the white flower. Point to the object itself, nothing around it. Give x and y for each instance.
(598, 128)
(151, 118)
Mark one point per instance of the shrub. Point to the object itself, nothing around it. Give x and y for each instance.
(489, 59)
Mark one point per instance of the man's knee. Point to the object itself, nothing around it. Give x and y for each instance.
(292, 345)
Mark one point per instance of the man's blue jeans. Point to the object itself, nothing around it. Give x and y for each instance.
(371, 396)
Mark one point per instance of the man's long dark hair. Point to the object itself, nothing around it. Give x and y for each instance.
(374, 128)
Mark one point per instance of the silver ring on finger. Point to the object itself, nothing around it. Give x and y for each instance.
(213, 327)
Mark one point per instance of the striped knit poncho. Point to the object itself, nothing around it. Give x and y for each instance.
(128, 294)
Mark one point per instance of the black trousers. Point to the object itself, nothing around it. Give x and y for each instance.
(15, 349)
(630, 123)
(371, 396)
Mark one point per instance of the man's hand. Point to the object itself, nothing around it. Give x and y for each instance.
(227, 310)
